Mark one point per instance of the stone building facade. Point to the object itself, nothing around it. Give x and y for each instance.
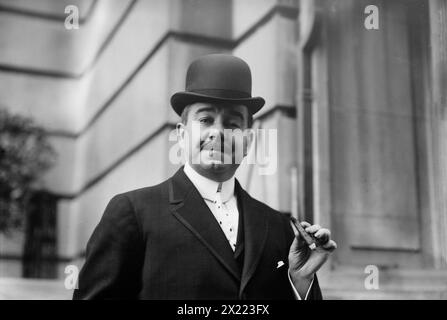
(360, 116)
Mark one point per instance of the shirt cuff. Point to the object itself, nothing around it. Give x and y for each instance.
(297, 295)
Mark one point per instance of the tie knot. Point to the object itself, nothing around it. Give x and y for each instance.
(218, 198)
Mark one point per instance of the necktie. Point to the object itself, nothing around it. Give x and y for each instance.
(223, 215)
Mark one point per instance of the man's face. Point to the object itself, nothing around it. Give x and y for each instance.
(213, 139)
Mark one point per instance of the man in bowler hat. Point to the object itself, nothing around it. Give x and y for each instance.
(199, 234)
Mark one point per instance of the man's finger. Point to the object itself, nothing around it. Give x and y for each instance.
(323, 232)
(331, 245)
(305, 224)
(323, 236)
(314, 228)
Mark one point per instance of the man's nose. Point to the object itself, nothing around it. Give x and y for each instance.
(216, 131)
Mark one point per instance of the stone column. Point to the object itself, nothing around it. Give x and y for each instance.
(438, 115)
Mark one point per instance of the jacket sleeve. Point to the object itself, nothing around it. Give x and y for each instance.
(114, 255)
(315, 291)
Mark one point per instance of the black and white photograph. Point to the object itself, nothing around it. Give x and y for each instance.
(223, 150)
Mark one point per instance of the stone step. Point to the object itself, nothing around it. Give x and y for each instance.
(346, 284)
(349, 283)
(346, 294)
(33, 289)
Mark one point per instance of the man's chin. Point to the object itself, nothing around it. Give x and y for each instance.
(214, 165)
(218, 165)
(218, 159)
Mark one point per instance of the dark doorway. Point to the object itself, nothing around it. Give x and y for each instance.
(40, 252)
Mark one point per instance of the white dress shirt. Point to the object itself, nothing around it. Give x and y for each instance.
(222, 202)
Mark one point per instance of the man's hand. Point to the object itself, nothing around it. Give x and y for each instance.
(304, 262)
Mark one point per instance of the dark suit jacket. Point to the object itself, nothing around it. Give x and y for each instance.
(163, 242)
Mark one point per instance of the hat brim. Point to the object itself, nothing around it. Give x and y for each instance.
(181, 99)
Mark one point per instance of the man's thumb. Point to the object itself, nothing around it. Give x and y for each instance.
(298, 244)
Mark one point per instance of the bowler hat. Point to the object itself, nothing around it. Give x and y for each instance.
(217, 78)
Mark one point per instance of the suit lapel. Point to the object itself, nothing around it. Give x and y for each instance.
(240, 232)
(190, 209)
(255, 234)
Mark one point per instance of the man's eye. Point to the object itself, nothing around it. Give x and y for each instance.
(205, 120)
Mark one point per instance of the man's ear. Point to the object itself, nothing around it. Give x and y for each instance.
(249, 137)
(180, 128)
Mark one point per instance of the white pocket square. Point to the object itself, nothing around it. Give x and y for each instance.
(280, 264)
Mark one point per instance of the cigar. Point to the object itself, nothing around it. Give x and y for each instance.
(311, 241)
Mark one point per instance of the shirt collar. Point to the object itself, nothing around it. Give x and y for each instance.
(207, 187)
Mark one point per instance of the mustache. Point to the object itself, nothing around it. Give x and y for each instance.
(215, 145)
